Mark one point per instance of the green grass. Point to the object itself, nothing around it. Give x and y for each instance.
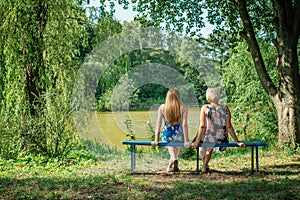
(35, 177)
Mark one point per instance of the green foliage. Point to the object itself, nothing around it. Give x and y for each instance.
(188, 17)
(188, 154)
(51, 130)
(148, 95)
(99, 27)
(38, 51)
(122, 94)
(103, 101)
(181, 16)
(98, 151)
(151, 131)
(254, 111)
(10, 141)
(116, 77)
(128, 124)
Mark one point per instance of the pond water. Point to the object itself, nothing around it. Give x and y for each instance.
(110, 128)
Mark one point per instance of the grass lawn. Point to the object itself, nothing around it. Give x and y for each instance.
(109, 177)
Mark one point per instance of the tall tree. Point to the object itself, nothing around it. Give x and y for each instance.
(286, 95)
(276, 19)
(39, 51)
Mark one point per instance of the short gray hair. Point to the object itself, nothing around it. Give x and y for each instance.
(213, 95)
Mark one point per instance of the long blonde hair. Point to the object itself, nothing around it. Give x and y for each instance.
(173, 106)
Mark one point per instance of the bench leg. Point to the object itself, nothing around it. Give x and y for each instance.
(252, 158)
(197, 159)
(257, 158)
(132, 157)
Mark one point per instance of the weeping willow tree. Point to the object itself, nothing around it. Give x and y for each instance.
(39, 45)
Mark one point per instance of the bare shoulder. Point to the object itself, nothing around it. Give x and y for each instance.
(161, 107)
(204, 107)
(185, 107)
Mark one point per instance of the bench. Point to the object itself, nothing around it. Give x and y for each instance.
(254, 144)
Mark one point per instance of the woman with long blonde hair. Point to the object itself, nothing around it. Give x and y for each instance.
(175, 128)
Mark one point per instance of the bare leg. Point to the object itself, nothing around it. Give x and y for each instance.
(206, 159)
(173, 155)
(206, 153)
(173, 163)
(177, 150)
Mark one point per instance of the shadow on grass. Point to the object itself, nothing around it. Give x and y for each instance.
(185, 185)
(287, 166)
(282, 170)
(279, 170)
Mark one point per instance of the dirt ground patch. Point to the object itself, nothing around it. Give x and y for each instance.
(227, 168)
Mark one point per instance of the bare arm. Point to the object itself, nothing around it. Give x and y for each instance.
(202, 127)
(185, 127)
(231, 131)
(158, 125)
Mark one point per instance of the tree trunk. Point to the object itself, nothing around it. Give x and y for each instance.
(287, 100)
(288, 120)
(33, 51)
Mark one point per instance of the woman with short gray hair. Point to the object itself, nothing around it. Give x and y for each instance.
(215, 123)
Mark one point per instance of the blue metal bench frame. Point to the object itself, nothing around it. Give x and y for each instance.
(254, 144)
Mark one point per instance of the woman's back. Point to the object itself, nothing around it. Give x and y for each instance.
(215, 123)
(172, 131)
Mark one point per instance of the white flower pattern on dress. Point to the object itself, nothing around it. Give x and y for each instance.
(215, 124)
(172, 133)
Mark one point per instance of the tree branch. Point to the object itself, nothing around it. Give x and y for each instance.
(249, 35)
(274, 41)
(234, 3)
(243, 33)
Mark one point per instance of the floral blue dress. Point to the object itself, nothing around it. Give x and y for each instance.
(172, 133)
